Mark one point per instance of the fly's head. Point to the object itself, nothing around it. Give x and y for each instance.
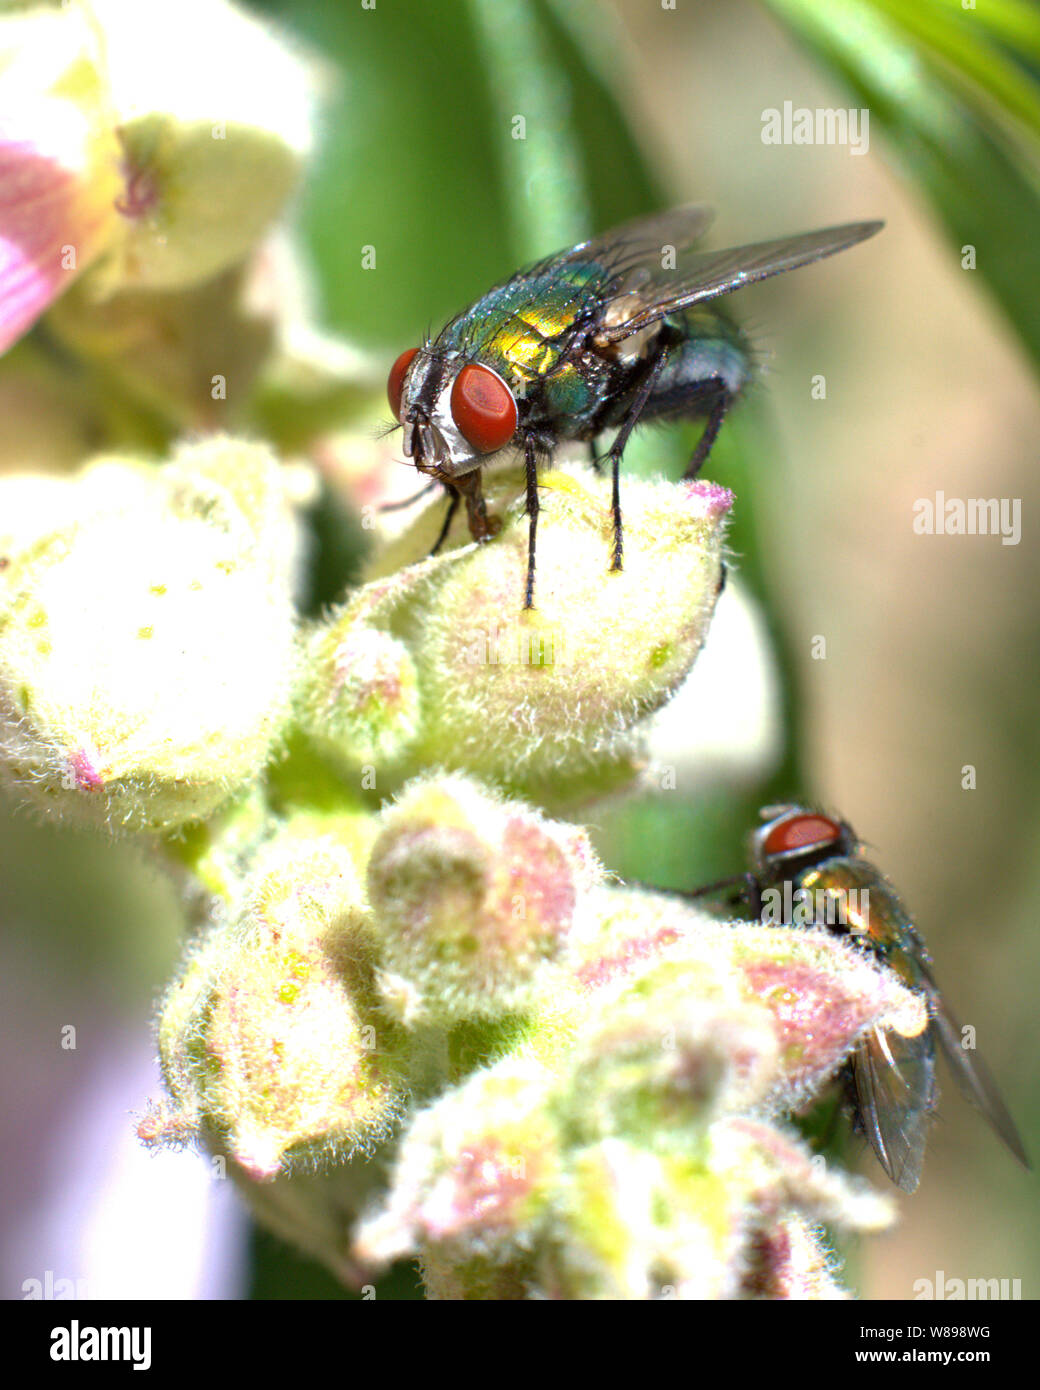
(454, 413)
(795, 838)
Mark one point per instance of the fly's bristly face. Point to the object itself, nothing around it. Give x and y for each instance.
(455, 414)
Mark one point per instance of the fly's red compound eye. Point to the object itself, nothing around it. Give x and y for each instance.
(483, 407)
(395, 381)
(802, 832)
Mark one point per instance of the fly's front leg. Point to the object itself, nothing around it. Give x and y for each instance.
(481, 526)
(721, 404)
(618, 448)
(453, 507)
(748, 891)
(408, 501)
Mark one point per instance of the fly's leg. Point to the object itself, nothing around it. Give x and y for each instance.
(748, 891)
(408, 501)
(722, 403)
(481, 526)
(594, 455)
(453, 507)
(618, 448)
(531, 468)
(746, 885)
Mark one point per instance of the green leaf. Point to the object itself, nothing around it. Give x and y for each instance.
(955, 35)
(962, 124)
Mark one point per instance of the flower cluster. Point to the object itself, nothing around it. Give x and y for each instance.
(415, 1015)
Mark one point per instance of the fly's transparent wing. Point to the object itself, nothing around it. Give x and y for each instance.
(703, 275)
(634, 244)
(973, 1079)
(895, 1094)
(595, 275)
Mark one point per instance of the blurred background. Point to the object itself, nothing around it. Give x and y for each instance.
(932, 645)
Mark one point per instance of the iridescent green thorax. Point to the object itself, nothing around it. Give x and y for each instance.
(520, 329)
(872, 913)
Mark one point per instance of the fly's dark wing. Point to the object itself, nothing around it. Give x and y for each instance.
(704, 275)
(895, 1096)
(973, 1079)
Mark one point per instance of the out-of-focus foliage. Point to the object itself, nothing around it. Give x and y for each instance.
(957, 91)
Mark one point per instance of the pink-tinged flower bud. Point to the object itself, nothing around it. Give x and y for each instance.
(360, 697)
(788, 1259)
(59, 161)
(474, 1172)
(824, 994)
(147, 641)
(271, 1041)
(548, 700)
(777, 1173)
(472, 897)
(665, 1053)
(817, 993)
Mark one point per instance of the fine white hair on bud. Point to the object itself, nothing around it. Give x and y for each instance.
(147, 642)
(473, 898)
(549, 701)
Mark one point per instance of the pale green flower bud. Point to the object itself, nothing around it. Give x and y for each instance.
(547, 700)
(472, 897)
(663, 1056)
(360, 697)
(639, 1223)
(214, 116)
(147, 645)
(271, 1043)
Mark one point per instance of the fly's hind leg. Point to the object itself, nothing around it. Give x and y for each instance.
(721, 404)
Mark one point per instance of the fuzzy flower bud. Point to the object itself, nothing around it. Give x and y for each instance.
(271, 1045)
(820, 994)
(476, 1170)
(360, 700)
(147, 642)
(668, 1069)
(542, 699)
(633, 1156)
(472, 897)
